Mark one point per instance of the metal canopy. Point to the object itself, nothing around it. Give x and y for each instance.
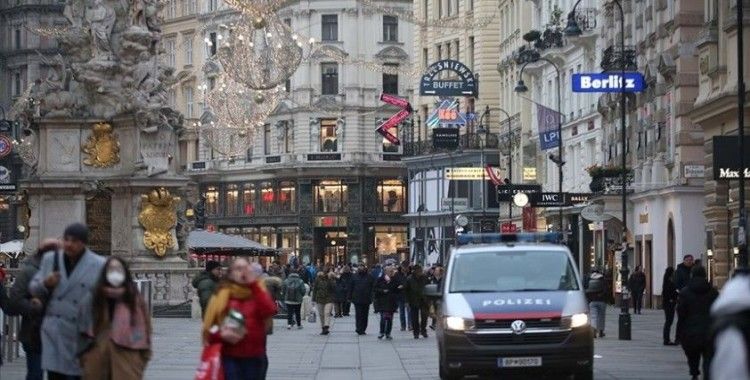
(206, 242)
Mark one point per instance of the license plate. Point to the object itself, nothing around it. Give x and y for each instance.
(519, 362)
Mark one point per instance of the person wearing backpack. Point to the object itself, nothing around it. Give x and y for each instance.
(293, 291)
(731, 331)
(596, 294)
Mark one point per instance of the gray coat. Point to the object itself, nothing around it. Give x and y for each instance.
(59, 327)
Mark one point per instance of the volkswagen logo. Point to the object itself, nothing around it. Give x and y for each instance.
(518, 327)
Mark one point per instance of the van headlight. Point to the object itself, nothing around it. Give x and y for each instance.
(456, 323)
(579, 320)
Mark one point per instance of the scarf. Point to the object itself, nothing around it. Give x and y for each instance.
(218, 306)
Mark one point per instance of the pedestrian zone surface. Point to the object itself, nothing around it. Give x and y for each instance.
(343, 355)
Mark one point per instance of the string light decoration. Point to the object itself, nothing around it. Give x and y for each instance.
(259, 55)
(380, 67)
(257, 9)
(456, 23)
(226, 141)
(235, 106)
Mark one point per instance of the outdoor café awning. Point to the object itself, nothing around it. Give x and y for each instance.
(211, 243)
(13, 246)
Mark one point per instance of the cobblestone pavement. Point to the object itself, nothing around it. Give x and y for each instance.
(303, 354)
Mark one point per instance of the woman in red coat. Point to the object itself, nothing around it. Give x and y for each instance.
(237, 315)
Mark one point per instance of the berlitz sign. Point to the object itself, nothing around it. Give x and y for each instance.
(464, 83)
(629, 82)
(727, 158)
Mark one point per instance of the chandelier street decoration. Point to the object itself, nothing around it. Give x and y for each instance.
(227, 142)
(477, 22)
(236, 106)
(257, 9)
(260, 54)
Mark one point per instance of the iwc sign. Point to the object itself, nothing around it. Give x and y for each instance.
(462, 83)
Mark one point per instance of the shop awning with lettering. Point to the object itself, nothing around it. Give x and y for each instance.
(205, 242)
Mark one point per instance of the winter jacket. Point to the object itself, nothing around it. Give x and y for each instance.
(3, 308)
(694, 308)
(20, 304)
(323, 290)
(596, 288)
(668, 293)
(342, 289)
(400, 279)
(637, 283)
(256, 310)
(294, 289)
(361, 289)
(386, 293)
(415, 290)
(205, 283)
(274, 286)
(681, 276)
(731, 313)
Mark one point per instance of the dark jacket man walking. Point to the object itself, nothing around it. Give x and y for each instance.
(681, 278)
(419, 307)
(360, 294)
(205, 283)
(694, 309)
(637, 285)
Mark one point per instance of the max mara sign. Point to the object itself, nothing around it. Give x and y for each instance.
(727, 157)
(462, 83)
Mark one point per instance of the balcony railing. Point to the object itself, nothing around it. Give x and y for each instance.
(469, 141)
(614, 59)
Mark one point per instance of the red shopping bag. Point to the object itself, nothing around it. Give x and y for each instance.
(210, 367)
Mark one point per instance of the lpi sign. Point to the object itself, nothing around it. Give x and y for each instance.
(464, 82)
(609, 82)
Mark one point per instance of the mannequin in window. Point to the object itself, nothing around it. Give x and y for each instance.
(391, 204)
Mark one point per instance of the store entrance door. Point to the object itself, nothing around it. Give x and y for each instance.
(330, 245)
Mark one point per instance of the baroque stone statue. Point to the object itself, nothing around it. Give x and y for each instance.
(101, 20)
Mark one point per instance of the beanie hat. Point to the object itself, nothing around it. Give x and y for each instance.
(77, 231)
(211, 265)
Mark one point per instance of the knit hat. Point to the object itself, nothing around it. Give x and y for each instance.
(211, 265)
(77, 231)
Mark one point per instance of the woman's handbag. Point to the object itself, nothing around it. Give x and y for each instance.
(210, 367)
(312, 317)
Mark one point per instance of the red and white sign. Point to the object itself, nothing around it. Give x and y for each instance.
(396, 119)
(508, 228)
(6, 146)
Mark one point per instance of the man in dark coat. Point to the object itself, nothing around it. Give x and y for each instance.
(418, 305)
(694, 310)
(681, 278)
(30, 309)
(386, 292)
(360, 294)
(346, 283)
(400, 279)
(205, 283)
(637, 285)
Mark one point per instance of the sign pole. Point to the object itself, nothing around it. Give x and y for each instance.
(741, 131)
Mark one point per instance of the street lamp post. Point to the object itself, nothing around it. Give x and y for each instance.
(486, 113)
(573, 30)
(521, 88)
(743, 259)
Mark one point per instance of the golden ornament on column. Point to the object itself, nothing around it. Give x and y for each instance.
(158, 217)
(102, 147)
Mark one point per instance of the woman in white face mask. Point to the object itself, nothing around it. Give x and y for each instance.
(115, 327)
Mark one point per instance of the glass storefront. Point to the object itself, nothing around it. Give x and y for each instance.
(392, 195)
(248, 199)
(232, 200)
(287, 197)
(212, 201)
(331, 197)
(266, 198)
(390, 242)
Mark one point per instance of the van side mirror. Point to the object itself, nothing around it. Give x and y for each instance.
(432, 291)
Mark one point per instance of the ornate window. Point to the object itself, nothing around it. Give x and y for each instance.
(231, 199)
(328, 136)
(329, 78)
(392, 196)
(331, 196)
(287, 197)
(212, 200)
(248, 199)
(267, 198)
(330, 27)
(390, 28)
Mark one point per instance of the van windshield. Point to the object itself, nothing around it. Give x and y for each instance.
(514, 271)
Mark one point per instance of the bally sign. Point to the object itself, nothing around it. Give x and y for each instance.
(396, 119)
(465, 83)
(629, 82)
(727, 157)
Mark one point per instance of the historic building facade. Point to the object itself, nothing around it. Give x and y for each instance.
(662, 147)
(715, 111)
(318, 181)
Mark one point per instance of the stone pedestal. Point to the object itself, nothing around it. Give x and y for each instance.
(67, 188)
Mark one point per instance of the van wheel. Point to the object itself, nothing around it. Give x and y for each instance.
(584, 374)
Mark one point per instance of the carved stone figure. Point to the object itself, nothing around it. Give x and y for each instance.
(158, 217)
(73, 11)
(102, 147)
(101, 20)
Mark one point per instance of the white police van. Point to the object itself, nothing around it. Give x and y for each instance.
(513, 304)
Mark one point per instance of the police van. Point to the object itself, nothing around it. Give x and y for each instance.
(512, 304)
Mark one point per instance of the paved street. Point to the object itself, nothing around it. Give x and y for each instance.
(344, 355)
